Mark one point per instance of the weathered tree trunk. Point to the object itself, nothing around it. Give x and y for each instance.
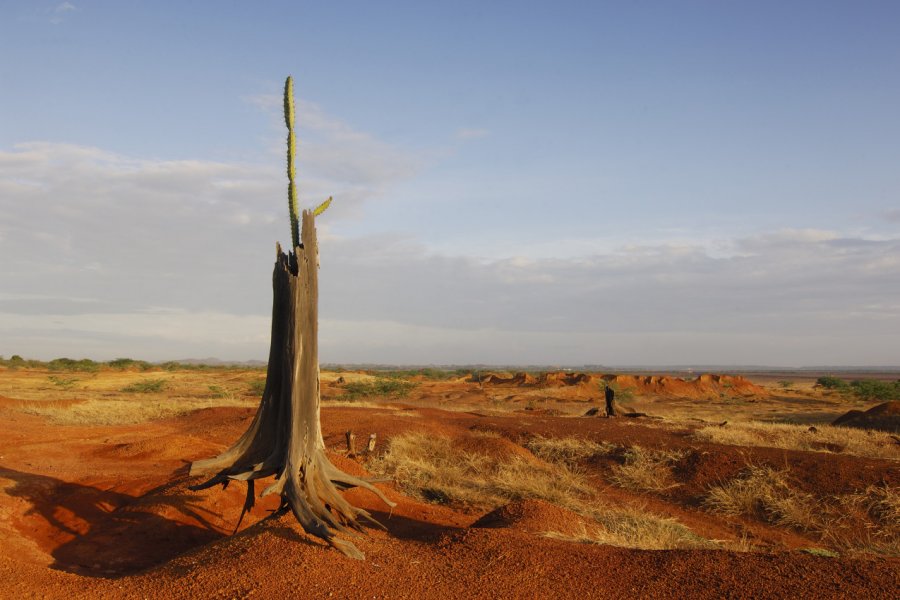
(285, 437)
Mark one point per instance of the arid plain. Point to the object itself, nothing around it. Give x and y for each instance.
(707, 486)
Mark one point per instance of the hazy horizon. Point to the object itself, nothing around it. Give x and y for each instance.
(576, 183)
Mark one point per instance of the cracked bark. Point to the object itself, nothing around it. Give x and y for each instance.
(285, 438)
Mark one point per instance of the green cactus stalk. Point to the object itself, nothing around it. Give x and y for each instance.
(291, 154)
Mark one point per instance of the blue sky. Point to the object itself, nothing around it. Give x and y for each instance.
(570, 182)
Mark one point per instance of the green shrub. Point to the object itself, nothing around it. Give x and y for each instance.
(63, 382)
(257, 386)
(621, 394)
(146, 387)
(173, 365)
(217, 391)
(68, 364)
(872, 389)
(15, 361)
(129, 363)
(426, 372)
(831, 382)
(378, 387)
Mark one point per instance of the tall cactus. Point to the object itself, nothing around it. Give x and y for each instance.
(285, 438)
(291, 168)
(291, 154)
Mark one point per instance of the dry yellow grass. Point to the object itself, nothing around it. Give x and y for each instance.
(428, 467)
(646, 470)
(634, 529)
(567, 449)
(766, 493)
(864, 522)
(858, 442)
(877, 527)
(124, 411)
(119, 397)
(882, 502)
(100, 398)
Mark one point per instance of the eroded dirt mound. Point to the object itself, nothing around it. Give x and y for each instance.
(503, 379)
(560, 378)
(884, 417)
(705, 386)
(533, 516)
(495, 447)
(708, 385)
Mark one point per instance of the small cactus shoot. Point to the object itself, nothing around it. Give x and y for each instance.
(291, 154)
(289, 120)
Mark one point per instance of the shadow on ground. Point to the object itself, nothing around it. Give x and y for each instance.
(105, 533)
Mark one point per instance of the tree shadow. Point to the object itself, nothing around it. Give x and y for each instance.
(104, 533)
(412, 529)
(287, 532)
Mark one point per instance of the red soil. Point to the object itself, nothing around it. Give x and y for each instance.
(704, 386)
(103, 512)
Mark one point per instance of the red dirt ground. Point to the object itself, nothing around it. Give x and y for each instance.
(104, 512)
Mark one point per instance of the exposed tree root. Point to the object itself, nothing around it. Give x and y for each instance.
(285, 438)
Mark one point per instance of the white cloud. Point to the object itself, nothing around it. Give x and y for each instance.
(106, 255)
(793, 288)
(158, 334)
(334, 158)
(79, 221)
(57, 14)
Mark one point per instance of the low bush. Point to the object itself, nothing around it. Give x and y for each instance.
(129, 363)
(69, 364)
(15, 362)
(873, 389)
(831, 382)
(380, 386)
(146, 386)
(63, 382)
(257, 387)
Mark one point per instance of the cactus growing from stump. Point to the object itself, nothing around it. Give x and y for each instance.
(284, 439)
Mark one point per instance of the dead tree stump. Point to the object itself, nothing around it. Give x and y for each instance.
(285, 438)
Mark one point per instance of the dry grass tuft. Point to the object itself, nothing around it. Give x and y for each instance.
(864, 522)
(123, 411)
(647, 470)
(429, 468)
(858, 442)
(567, 450)
(876, 528)
(742, 544)
(882, 502)
(765, 493)
(634, 529)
